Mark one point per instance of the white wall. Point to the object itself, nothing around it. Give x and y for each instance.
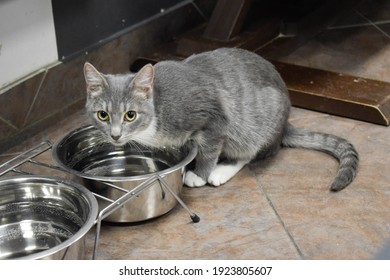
(27, 38)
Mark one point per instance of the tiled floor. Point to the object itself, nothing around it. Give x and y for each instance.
(280, 208)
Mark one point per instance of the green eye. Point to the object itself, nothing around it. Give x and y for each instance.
(103, 116)
(130, 116)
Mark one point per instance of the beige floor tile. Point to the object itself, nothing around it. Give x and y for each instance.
(351, 224)
(236, 223)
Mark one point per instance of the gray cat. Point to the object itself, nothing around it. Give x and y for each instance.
(231, 102)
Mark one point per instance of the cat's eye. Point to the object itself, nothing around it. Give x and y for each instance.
(130, 116)
(103, 116)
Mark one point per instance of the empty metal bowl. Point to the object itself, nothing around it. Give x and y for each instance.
(95, 162)
(44, 218)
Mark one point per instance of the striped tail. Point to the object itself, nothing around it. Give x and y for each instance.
(340, 148)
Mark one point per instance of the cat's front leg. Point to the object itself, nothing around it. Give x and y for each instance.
(205, 163)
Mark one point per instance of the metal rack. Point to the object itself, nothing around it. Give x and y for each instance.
(29, 156)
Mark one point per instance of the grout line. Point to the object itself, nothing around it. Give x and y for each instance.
(35, 97)
(8, 123)
(199, 10)
(358, 25)
(301, 255)
(8, 154)
(373, 24)
(348, 26)
(9, 85)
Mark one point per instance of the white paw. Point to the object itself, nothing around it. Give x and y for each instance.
(219, 176)
(223, 173)
(193, 180)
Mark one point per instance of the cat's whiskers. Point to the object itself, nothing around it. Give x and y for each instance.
(135, 146)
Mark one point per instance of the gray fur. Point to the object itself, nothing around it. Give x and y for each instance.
(231, 102)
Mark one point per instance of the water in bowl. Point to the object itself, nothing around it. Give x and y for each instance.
(120, 164)
(31, 227)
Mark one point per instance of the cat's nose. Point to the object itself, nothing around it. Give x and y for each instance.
(115, 137)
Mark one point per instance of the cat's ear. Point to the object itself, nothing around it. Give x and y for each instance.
(143, 81)
(94, 80)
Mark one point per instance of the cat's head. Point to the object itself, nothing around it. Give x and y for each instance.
(121, 106)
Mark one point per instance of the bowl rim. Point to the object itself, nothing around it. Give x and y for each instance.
(193, 151)
(89, 223)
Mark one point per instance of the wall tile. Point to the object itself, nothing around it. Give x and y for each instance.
(352, 19)
(6, 130)
(63, 85)
(375, 11)
(16, 102)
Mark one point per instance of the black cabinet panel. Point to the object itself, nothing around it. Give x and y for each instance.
(81, 25)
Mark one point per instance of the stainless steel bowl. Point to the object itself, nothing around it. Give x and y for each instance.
(93, 161)
(44, 218)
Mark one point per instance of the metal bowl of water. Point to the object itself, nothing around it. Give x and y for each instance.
(98, 165)
(44, 218)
